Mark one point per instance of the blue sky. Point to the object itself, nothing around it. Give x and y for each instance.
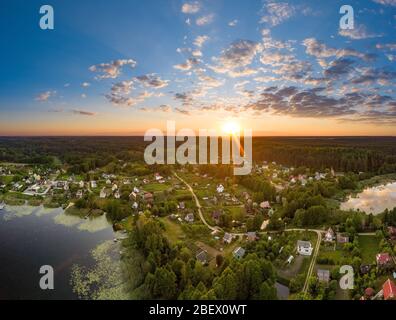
(118, 67)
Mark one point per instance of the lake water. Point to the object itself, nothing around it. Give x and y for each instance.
(31, 237)
(373, 200)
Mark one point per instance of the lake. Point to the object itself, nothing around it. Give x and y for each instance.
(31, 237)
(373, 200)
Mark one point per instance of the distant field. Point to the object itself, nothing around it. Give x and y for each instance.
(369, 248)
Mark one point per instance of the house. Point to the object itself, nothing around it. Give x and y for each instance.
(79, 194)
(389, 290)
(189, 218)
(136, 190)
(182, 205)
(238, 253)
(202, 257)
(329, 236)
(148, 196)
(108, 181)
(132, 196)
(383, 260)
(117, 195)
(216, 216)
(341, 239)
(304, 248)
(323, 275)
(290, 259)
(103, 193)
(93, 184)
(114, 187)
(251, 236)
(265, 205)
(158, 177)
(81, 184)
(227, 238)
(220, 188)
(135, 205)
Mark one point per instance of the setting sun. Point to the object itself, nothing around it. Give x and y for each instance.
(231, 128)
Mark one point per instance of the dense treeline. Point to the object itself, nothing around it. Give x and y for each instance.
(347, 154)
(353, 154)
(162, 271)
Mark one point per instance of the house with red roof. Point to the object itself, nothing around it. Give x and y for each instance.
(383, 260)
(389, 290)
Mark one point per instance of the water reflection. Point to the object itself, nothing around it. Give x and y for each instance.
(34, 236)
(373, 200)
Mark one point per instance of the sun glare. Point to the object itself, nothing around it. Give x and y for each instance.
(231, 128)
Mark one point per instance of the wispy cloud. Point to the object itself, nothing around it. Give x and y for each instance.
(44, 96)
(83, 112)
(191, 7)
(205, 20)
(358, 33)
(112, 69)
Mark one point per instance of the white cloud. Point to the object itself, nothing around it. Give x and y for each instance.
(191, 7)
(205, 20)
(386, 2)
(233, 23)
(277, 12)
(112, 69)
(85, 84)
(200, 40)
(357, 33)
(44, 96)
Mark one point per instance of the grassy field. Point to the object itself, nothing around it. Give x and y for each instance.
(369, 246)
(173, 231)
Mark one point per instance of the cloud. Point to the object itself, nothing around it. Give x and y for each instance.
(200, 40)
(277, 12)
(185, 97)
(188, 65)
(205, 20)
(44, 96)
(153, 81)
(320, 50)
(122, 87)
(357, 33)
(112, 69)
(85, 84)
(83, 113)
(161, 108)
(233, 23)
(182, 111)
(236, 57)
(339, 67)
(191, 7)
(386, 2)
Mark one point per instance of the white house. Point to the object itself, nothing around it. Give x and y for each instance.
(93, 184)
(81, 184)
(220, 188)
(103, 193)
(329, 236)
(304, 248)
(114, 187)
(135, 205)
(117, 195)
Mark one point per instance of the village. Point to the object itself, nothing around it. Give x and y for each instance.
(218, 218)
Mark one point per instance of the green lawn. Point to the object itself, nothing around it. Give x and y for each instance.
(156, 187)
(173, 231)
(369, 246)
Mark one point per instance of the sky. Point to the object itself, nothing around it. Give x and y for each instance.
(280, 68)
